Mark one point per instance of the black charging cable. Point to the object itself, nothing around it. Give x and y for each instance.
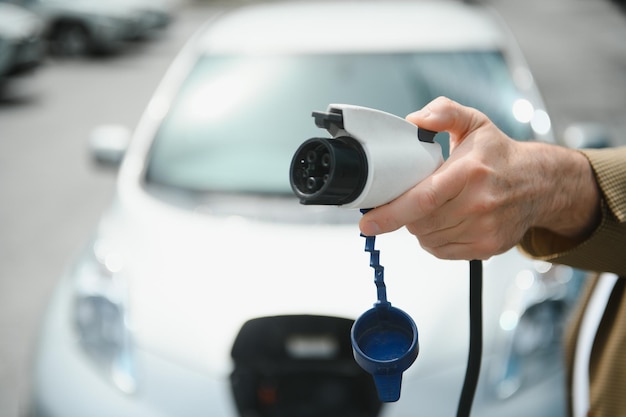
(476, 339)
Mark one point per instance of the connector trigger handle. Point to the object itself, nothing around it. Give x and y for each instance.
(425, 135)
(331, 120)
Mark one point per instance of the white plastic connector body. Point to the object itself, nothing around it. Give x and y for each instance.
(397, 160)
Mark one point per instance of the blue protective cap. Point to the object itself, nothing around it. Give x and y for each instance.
(385, 344)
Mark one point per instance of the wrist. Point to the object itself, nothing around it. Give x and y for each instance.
(572, 206)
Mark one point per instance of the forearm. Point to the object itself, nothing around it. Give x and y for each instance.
(567, 192)
(605, 247)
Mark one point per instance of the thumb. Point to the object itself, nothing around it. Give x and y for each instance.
(445, 115)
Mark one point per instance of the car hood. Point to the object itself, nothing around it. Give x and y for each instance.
(194, 279)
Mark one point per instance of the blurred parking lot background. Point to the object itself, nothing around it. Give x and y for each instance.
(51, 196)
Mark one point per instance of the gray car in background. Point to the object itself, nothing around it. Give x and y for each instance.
(80, 27)
(22, 46)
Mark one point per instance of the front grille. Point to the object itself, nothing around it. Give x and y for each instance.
(300, 366)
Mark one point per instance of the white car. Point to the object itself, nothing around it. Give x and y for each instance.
(208, 290)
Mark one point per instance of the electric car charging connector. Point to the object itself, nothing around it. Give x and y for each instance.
(372, 158)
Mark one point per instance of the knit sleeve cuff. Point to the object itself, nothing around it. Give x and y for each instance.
(602, 251)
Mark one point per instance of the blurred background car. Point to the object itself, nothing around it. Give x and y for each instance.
(22, 47)
(208, 290)
(81, 27)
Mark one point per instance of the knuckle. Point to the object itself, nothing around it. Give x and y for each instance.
(427, 200)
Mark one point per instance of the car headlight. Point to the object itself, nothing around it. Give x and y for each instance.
(531, 326)
(101, 315)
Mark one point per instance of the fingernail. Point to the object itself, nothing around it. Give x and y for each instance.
(371, 229)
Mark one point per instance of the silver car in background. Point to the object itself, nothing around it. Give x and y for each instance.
(22, 46)
(81, 27)
(208, 290)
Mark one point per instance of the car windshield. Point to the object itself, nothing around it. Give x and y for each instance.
(237, 120)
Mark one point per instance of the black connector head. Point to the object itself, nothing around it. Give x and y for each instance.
(328, 171)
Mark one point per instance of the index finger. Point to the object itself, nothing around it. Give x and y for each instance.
(417, 203)
(443, 114)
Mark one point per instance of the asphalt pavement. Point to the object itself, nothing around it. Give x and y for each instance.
(51, 196)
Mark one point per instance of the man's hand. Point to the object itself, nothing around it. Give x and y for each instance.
(490, 191)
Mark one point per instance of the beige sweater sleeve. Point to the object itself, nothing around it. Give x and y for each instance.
(605, 249)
